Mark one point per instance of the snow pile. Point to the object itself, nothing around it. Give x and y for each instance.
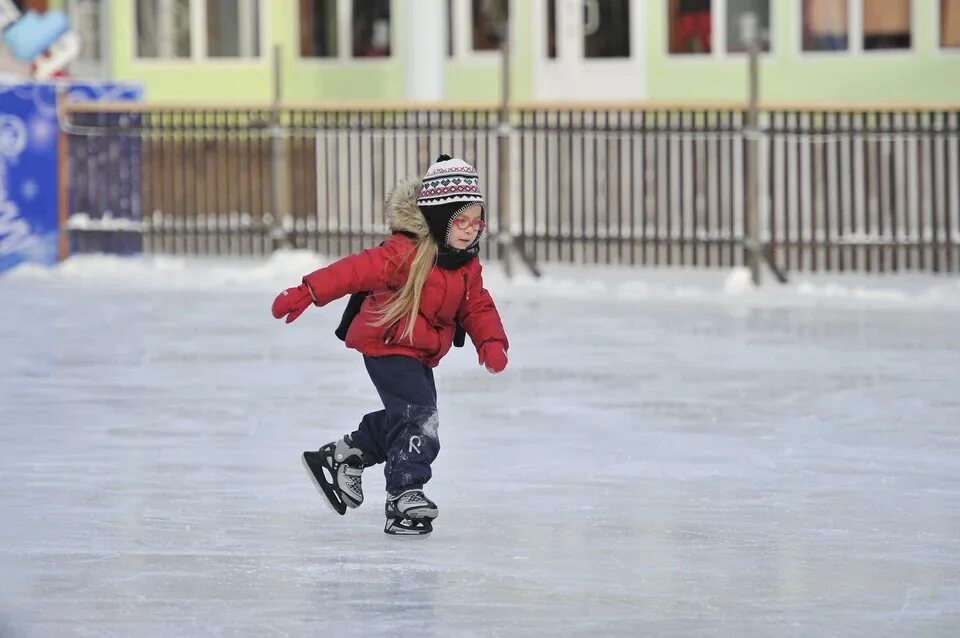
(283, 268)
(564, 281)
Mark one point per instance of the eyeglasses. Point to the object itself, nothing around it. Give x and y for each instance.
(463, 223)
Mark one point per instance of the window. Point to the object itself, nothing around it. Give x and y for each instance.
(233, 28)
(950, 24)
(85, 18)
(371, 28)
(163, 28)
(690, 24)
(825, 25)
(886, 24)
(736, 12)
(476, 28)
(344, 28)
(176, 29)
(606, 29)
(489, 21)
(318, 28)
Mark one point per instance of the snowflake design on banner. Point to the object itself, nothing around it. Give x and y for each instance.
(29, 189)
(15, 233)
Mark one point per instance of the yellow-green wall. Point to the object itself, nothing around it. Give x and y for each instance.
(926, 74)
(306, 79)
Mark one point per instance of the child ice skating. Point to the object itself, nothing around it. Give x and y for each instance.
(410, 297)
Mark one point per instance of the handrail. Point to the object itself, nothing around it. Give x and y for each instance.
(451, 107)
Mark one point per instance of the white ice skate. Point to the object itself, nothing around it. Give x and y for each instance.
(410, 513)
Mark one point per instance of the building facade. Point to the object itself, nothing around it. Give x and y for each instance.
(814, 51)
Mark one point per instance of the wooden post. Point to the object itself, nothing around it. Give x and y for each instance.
(63, 185)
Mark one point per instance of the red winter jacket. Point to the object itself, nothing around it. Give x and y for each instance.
(447, 295)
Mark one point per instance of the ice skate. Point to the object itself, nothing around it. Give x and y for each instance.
(335, 470)
(410, 514)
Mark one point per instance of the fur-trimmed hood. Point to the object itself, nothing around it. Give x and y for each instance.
(401, 209)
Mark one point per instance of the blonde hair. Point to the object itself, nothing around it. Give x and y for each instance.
(405, 302)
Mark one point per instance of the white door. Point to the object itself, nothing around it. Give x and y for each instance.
(589, 50)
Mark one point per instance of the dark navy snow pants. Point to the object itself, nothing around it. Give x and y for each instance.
(404, 433)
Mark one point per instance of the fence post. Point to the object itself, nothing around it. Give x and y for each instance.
(63, 181)
(503, 153)
(509, 246)
(279, 162)
(754, 250)
(752, 221)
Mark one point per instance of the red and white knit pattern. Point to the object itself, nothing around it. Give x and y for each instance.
(448, 181)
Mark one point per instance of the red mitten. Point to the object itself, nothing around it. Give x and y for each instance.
(292, 302)
(493, 356)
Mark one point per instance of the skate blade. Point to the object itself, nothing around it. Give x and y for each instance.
(327, 492)
(424, 514)
(408, 528)
(420, 514)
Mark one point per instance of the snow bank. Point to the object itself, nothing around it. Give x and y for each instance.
(286, 267)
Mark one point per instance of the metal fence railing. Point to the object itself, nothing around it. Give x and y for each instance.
(838, 189)
(860, 190)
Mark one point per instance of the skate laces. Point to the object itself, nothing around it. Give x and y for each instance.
(413, 497)
(352, 477)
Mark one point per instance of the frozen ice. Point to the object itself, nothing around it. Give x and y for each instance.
(668, 453)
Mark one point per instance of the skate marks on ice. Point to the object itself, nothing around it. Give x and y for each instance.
(640, 469)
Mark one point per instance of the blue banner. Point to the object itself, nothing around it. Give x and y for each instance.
(28, 165)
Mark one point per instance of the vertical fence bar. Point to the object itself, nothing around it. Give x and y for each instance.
(569, 201)
(181, 177)
(732, 213)
(791, 210)
(580, 247)
(635, 185)
(146, 205)
(714, 245)
(658, 182)
(621, 135)
(952, 206)
(683, 181)
(171, 219)
(888, 227)
(363, 193)
(927, 218)
(815, 193)
(828, 126)
(599, 174)
(897, 221)
(805, 187)
(648, 199)
(919, 160)
(940, 237)
(250, 162)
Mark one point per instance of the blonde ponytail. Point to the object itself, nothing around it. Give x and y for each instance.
(406, 301)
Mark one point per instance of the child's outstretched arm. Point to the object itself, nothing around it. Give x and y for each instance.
(479, 317)
(367, 270)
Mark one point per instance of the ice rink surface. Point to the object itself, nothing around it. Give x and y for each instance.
(675, 459)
